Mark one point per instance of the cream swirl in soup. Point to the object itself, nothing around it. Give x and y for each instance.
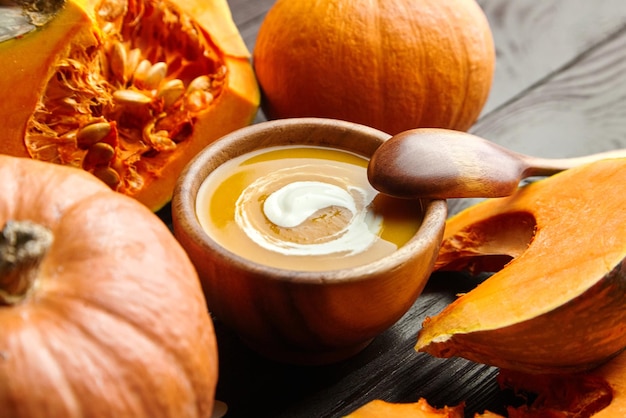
(303, 208)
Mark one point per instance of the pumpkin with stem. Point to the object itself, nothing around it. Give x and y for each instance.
(393, 65)
(556, 300)
(128, 90)
(101, 311)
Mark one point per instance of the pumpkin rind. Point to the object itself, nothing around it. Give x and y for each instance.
(70, 69)
(393, 65)
(116, 324)
(30, 67)
(558, 306)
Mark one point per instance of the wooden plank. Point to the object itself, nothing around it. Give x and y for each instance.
(248, 15)
(577, 111)
(535, 38)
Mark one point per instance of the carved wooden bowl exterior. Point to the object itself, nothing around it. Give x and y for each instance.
(300, 316)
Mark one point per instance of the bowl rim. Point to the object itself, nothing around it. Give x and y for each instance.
(429, 233)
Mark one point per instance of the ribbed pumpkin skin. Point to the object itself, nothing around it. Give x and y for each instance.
(115, 324)
(558, 306)
(393, 65)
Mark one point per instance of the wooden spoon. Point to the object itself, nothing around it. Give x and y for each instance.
(444, 164)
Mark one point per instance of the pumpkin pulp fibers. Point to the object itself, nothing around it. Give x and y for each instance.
(120, 108)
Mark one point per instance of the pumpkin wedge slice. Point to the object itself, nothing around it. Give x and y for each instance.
(128, 90)
(558, 305)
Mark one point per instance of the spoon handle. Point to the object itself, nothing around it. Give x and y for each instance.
(536, 166)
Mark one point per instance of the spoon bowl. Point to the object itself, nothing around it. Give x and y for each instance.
(445, 164)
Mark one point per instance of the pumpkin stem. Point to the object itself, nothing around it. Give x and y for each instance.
(23, 245)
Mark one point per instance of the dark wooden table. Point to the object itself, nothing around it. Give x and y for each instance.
(559, 91)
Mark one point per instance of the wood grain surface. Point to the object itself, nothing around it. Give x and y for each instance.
(559, 91)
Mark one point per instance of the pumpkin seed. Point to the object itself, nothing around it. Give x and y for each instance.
(131, 97)
(132, 62)
(155, 75)
(170, 91)
(92, 133)
(98, 154)
(108, 176)
(198, 100)
(141, 72)
(199, 83)
(68, 137)
(117, 61)
(161, 141)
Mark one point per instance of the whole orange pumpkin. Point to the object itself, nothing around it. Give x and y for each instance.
(101, 311)
(393, 65)
(128, 90)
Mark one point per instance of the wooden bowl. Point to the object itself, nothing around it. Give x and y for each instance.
(303, 317)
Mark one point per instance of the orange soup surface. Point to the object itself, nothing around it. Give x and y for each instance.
(303, 208)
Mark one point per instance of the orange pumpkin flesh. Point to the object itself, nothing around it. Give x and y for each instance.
(110, 321)
(393, 65)
(558, 306)
(128, 90)
(420, 409)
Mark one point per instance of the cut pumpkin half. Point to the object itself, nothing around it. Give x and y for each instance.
(128, 90)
